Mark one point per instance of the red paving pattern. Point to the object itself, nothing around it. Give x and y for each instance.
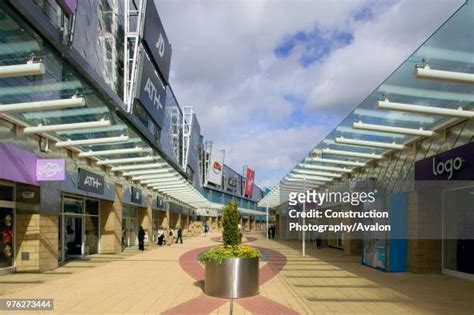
(205, 304)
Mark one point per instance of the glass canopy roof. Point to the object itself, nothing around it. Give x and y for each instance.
(450, 48)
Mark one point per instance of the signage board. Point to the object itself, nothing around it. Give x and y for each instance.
(216, 167)
(90, 182)
(455, 164)
(150, 91)
(160, 202)
(232, 181)
(50, 169)
(156, 40)
(136, 196)
(250, 176)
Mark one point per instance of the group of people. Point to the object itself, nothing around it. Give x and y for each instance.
(171, 236)
(271, 231)
(161, 237)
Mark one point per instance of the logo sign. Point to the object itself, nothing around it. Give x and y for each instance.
(91, 182)
(232, 181)
(68, 6)
(136, 195)
(216, 167)
(156, 40)
(50, 170)
(250, 176)
(151, 92)
(456, 164)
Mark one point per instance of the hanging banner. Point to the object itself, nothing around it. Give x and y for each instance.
(233, 181)
(136, 196)
(250, 176)
(151, 92)
(216, 167)
(156, 40)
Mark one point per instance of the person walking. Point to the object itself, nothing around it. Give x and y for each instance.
(141, 239)
(179, 236)
(170, 237)
(206, 229)
(161, 236)
(273, 231)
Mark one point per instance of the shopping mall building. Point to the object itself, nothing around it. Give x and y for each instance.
(93, 143)
(412, 141)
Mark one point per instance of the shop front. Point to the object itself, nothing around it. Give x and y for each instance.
(7, 226)
(80, 232)
(445, 200)
(136, 213)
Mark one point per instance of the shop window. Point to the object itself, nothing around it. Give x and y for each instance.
(92, 207)
(6, 193)
(6, 237)
(73, 205)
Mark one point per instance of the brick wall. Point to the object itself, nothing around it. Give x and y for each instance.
(111, 224)
(37, 238)
(424, 219)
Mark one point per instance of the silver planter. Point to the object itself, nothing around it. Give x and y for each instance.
(232, 279)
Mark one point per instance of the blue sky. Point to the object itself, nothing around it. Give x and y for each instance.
(269, 79)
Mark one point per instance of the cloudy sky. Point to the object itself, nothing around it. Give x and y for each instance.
(269, 79)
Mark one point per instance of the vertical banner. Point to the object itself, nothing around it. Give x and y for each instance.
(216, 167)
(250, 176)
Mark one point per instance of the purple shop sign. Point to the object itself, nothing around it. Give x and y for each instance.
(50, 169)
(455, 164)
(69, 6)
(17, 165)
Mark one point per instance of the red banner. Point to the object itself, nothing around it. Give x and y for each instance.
(249, 182)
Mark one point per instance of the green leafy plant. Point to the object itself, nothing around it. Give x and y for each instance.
(231, 237)
(220, 253)
(230, 222)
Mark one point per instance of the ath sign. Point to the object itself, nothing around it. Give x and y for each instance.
(151, 92)
(156, 40)
(91, 182)
(455, 164)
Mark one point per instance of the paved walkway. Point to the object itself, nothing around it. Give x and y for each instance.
(168, 280)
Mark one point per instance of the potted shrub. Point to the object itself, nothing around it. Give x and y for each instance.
(231, 269)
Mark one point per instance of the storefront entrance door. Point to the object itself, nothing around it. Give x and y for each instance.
(458, 232)
(73, 235)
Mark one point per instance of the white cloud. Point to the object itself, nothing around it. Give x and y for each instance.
(223, 64)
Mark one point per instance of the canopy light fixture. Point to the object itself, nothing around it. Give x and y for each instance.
(390, 129)
(29, 68)
(163, 180)
(303, 177)
(146, 172)
(325, 168)
(114, 152)
(43, 105)
(317, 173)
(354, 154)
(127, 160)
(154, 176)
(138, 166)
(365, 143)
(426, 109)
(91, 141)
(425, 72)
(71, 126)
(340, 162)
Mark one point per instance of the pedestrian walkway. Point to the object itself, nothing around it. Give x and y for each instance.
(169, 280)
